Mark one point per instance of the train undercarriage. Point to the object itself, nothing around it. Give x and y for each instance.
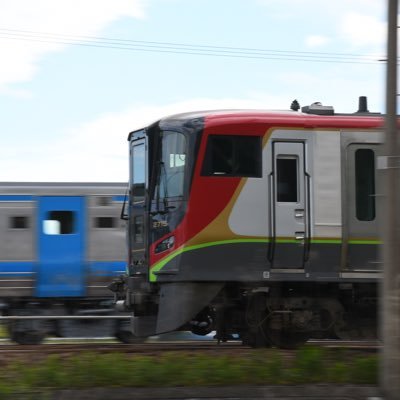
(28, 322)
(287, 315)
(283, 314)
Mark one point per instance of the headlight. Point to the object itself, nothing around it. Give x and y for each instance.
(166, 244)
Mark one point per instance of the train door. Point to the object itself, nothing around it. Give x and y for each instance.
(61, 246)
(290, 228)
(362, 237)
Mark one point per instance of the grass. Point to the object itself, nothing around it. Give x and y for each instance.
(3, 331)
(259, 367)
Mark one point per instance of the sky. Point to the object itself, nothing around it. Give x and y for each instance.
(77, 76)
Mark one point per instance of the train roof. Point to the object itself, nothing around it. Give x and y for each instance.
(63, 188)
(277, 117)
(313, 116)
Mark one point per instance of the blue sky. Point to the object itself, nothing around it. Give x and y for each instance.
(66, 109)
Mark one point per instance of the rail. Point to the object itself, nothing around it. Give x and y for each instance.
(56, 317)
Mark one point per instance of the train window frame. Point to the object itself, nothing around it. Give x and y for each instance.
(19, 222)
(232, 164)
(365, 185)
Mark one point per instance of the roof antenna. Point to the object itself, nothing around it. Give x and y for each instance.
(295, 106)
(362, 104)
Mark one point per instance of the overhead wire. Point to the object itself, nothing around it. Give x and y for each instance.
(185, 48)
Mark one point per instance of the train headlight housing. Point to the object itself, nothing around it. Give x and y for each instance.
(166, 244)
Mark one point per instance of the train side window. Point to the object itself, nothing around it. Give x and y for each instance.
(59, 223)
(19, 222)
(233, 156)
(287, 184)
(365, 184)
(138, 173)
(138, 229)
(105, 222)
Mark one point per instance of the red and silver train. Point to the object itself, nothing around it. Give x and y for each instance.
(259, 225)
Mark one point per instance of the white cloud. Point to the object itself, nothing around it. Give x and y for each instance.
(350, 23)
(363, 30)
(98, 150)
(322, 10)
(17, 93)
(20, 58)
(316, 40)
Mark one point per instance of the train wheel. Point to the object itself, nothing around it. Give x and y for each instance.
(255, 317)
(27, 332)
(128, 337)
(27, 337)
(287, 339)
(256, 339)
(204, 322)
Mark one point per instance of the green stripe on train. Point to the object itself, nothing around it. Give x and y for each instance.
(157, 267)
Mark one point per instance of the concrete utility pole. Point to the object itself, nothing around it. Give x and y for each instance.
(390, 295)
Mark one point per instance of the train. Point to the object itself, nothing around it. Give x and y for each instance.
(260, 226)
(61, 245)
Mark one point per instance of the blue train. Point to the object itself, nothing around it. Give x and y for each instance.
(60, 246)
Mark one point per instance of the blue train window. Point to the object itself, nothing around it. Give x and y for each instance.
(59, 223)
(104, 201)
(105, 222)
(19, 222)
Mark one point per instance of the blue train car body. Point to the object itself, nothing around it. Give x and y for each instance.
(61, 244)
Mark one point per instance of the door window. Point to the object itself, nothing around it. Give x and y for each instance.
(365, 184)
(59, 223)
(287, 181)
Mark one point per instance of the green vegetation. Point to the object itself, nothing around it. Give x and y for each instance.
(257, 367)
(3, 331)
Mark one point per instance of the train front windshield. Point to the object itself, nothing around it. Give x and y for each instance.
(170, 169)
(159, 183)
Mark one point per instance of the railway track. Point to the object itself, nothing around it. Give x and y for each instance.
(162, 346)
(141, 348)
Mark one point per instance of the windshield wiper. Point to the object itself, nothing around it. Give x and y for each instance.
(162, 177)
(124, 215)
